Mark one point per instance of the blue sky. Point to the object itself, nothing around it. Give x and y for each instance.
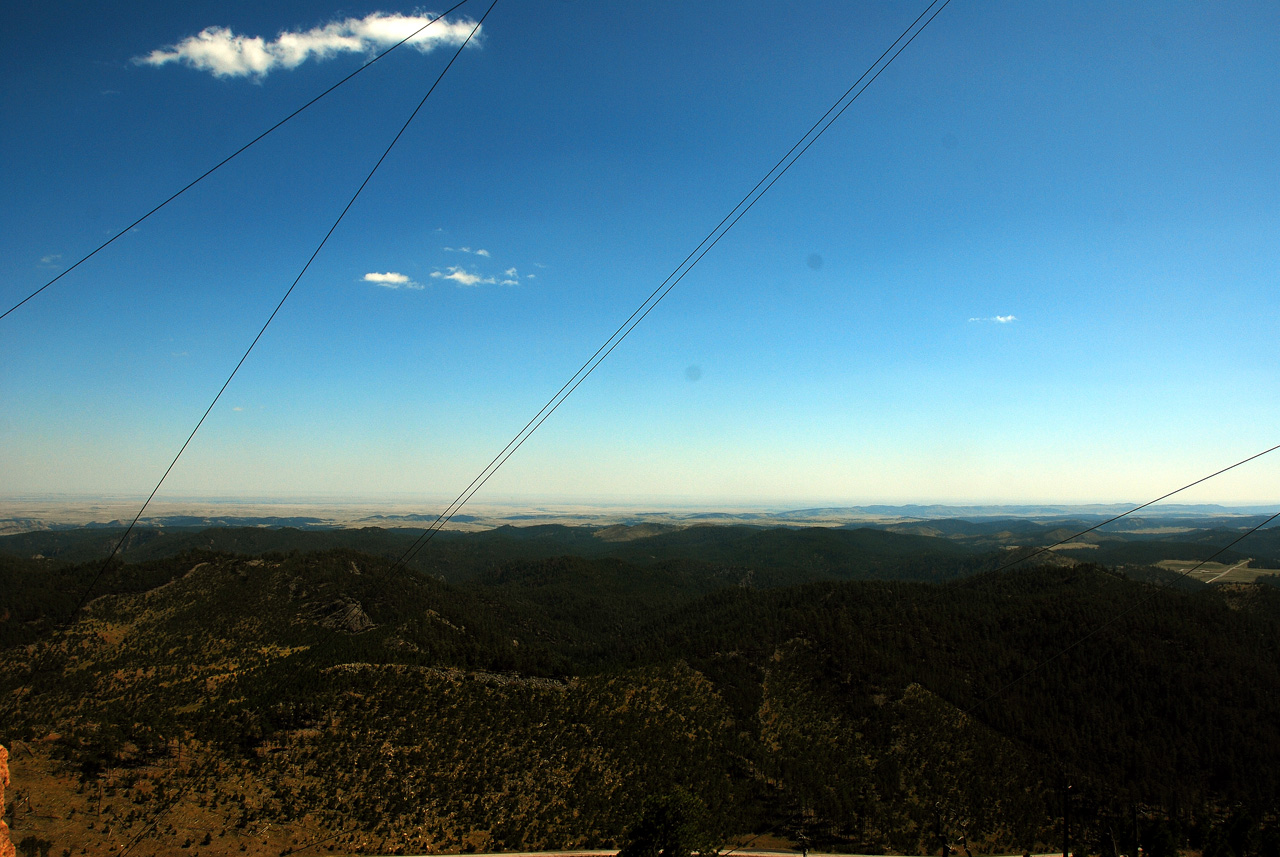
(1039, 260)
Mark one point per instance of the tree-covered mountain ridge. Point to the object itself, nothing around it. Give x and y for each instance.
(803, 552)
(266, 702)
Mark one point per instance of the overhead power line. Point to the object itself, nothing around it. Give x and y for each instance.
(228, 159)
(972, 709)
(927, 739)
(1116, 618)
(1088, 530)
(686, 265)
(270, 318)
(1047, 548)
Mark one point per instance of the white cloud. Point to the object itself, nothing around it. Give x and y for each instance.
(391, 280)
(51, 259)
(464, 278)
(472, 277)
(998, 319)
(390, 277)
(226, 54)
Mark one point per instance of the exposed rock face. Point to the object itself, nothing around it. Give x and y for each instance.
(6, 846)
(342, 614)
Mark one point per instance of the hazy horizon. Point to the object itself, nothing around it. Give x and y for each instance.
(21, 514)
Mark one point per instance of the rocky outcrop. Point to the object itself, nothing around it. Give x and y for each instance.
(6, 846)
(341, 614)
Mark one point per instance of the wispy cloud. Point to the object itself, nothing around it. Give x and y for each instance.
(475, 275)
(391, 280)
(52, 260)
(997, 319)
(463, 277)
(226, 54)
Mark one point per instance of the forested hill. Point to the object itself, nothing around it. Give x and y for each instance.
(782, 555)
(925, 550)
(229, 702)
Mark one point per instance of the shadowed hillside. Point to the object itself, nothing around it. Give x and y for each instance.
(272, 701)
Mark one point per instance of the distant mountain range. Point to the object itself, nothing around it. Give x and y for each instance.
(1106, 510)
(791, 552)
(53, 516)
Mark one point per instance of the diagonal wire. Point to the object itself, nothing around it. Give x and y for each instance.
(1071, 538)
(970, 712)
(664, 288)
(940, 593)
(227, 159)
(192, 777)
(1116, 618)
(270, 318)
